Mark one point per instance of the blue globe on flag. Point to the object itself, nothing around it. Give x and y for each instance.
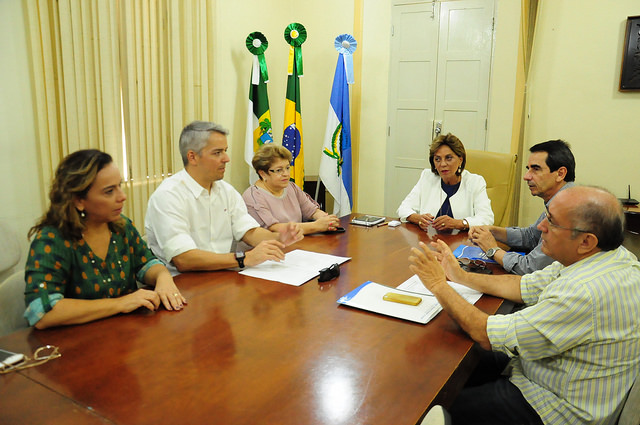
(291, 140)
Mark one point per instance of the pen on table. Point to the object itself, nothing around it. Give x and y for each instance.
(383, 224)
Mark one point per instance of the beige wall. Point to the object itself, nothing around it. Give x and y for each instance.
(19, 191)
(574, 94)
(233, 68)
(503, 76)
(373, 114)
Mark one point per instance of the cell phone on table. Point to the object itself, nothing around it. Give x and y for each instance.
(8, 358)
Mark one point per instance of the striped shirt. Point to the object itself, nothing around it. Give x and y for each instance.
(576, 345)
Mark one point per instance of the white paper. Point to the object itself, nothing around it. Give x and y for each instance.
(414, 284)
(369, 297)
(298, 267)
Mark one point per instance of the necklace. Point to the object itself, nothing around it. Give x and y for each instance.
(101, 268)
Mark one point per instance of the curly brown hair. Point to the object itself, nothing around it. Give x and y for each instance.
(73, 179)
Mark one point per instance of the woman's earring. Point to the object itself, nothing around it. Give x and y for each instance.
(83, 214)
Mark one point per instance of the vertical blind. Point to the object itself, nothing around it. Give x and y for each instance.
(123, 77)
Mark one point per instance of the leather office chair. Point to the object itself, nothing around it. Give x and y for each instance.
(12, 303)
(437, 415)
(631, 409)
(499, 171)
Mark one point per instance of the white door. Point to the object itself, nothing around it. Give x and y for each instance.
(412, 94)
(464, 66)
(439, 81)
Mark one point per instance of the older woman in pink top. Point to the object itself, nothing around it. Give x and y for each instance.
(274, 200)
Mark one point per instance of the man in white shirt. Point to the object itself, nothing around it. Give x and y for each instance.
(194, 217)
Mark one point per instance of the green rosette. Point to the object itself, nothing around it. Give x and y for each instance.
(295, 34)
(257, 44)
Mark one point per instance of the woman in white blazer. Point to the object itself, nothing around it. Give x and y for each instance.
(447, 197)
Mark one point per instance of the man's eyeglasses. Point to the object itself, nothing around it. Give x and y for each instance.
(281, 171)
(474, 266)
(549, 218)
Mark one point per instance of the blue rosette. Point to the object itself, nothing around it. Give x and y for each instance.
(345, 44)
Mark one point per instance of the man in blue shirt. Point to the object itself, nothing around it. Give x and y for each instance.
(551, 168)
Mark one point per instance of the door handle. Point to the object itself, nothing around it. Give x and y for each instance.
(438, 128)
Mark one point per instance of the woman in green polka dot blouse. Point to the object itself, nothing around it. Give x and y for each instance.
(85, 256)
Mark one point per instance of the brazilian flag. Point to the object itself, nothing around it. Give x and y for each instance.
(295, 34)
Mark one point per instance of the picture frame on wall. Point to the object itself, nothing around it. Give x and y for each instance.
(630, 71)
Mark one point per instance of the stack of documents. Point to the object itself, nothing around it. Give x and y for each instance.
(368, 296)
(298, 267)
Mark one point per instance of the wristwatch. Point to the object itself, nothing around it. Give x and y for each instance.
(240, 259)
(492, 251)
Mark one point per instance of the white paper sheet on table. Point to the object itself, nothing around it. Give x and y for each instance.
(368, 296)
(298, 267)
(414, 284)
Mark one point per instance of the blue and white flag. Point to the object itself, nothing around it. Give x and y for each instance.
(335, 161)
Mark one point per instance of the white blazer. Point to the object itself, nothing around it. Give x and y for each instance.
(470, 202)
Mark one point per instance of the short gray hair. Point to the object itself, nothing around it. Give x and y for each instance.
(195, 136)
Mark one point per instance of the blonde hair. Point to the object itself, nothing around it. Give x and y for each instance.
(267, 155)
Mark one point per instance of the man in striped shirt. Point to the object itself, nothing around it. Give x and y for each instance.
(575, 347)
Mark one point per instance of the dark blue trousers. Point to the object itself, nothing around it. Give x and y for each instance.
(490, 399)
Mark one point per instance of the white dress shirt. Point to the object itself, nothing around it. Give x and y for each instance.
(182, 215)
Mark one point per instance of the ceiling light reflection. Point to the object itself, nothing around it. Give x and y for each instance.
(336, 393)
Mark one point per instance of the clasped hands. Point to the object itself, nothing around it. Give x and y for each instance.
(329, 222)
(444, 222)
(482, 237)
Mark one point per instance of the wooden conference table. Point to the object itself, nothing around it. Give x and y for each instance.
(250, 351)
